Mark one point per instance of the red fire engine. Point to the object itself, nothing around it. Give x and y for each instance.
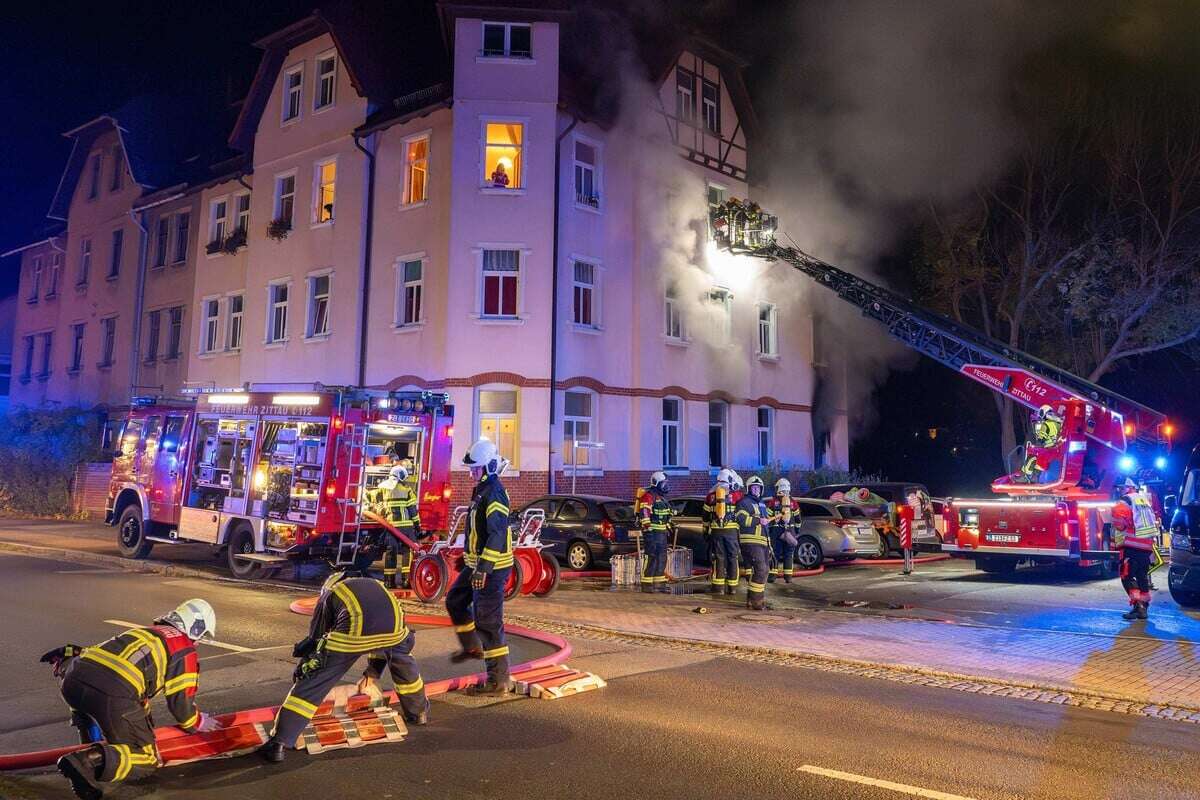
(274, 473)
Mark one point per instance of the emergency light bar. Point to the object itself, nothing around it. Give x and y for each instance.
(238, 399)
(295, 400)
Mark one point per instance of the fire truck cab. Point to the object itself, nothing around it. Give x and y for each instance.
(275, 473)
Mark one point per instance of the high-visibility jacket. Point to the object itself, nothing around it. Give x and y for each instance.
(654, 512)
(489, 534)
(750, 515)
(1047, 431)
(400, 504)
(357, 615)
(147, 661)
(1134, 523)
(783, 512)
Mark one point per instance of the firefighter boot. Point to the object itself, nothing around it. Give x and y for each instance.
(730, 589)
(81, 769)
(466, 655)
(498, 682)
(1135, 612)
(273, 751)
(1142, 610)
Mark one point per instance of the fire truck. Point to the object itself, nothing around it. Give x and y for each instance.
(1061, 514)
(275, 473)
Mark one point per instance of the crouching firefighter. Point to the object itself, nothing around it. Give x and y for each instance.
(109, 687)
(1135, 530)
(399, 502)
(475, 602)
(355, 616)
(721, 530)
(654, 517)
(752, 515)
(785, 530)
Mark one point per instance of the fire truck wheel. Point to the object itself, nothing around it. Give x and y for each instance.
(516, 576)
(550, 575)
(131, 533)
(996, 566)
(808, 553)
(241, 541)
(429, 577)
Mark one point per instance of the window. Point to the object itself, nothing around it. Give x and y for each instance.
(766, 416)
(175, 336)
(85, 262)
(685, 95)
(416, 169)
(572, 511)
(183, 222)
(241, 207)
(285, 199)
(277, 316)
(318, 306)
(577, 427)
(587, 189)
(498, 420)
(502, 165)
(118, 247)
(35, 279)
(94, 180)
(718, 413)
(162, 237)
(507, 39)
(412, 289)
(108, 341)
(153, 326)
(722, 301)
(212, 322)
(767, 333)
(27, 372)
(293, 84)
(118, 169)
(324, 184)
(55, 269)
(234, 335)
(584, 291)
(218, 224)
(672, 315)
(77, 347)
(47, 346)
(501, 271)
(326, 80)
(710, 99)
(716, 195)
(672, 420)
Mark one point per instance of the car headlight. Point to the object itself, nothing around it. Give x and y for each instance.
(1180, 541)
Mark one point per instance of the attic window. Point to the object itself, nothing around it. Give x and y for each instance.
(507, 40)
(326, 79)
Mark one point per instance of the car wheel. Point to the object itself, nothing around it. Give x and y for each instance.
(882, 550)
(131, 533)
(579, 556)
(809, 554)
(241, 541)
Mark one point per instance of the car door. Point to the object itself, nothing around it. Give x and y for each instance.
(572, 522)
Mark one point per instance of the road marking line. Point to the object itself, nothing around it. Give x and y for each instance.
(850, 777)
(236, 648)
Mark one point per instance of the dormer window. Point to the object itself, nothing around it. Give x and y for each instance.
(507, 40)
(326, 81)
(293, 85)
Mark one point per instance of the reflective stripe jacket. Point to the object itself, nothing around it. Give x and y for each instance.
(489, 535)
(714, 524)
(151, 660)
(1134, 523)
(750, 515)
(784, 512)
(400, 503)
(357, 615)
(655, 512)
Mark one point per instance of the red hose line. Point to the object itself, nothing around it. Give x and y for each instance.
(885, 562)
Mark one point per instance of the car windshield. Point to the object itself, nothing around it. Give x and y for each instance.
(850, 511)
(618, 512)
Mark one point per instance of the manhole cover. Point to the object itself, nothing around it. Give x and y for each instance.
(766, 619)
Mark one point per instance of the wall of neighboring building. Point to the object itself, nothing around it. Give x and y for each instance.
(38, 309)
(162, 359)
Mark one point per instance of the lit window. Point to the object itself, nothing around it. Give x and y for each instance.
(767, 333)
(710, 98)
(672, 315)
(577, 427)
(94, 179)
(212, 326)
(153, 327)
(412, 289)
(118, 169)
(685, 95)
(416, 170)
(85, 262)
(55, 269)
(502, 165)
(672, 420)
(162, 237)
(77, 347)
(218, 225)
(118, 250)
(234, 336)
(183, 222)
(285, 200)
(277, 317)
(501, 273)
(318, 305)
(507, 39)
(326, 81)
(722, 303)
(587, 189)
(497, 415)
(325, 184)
(47, 347)
(718, 413)
(584, 295)
(293, 84)
(35, 279)
(241, 206)
(108, 327)
(175, 335)
(766, 416)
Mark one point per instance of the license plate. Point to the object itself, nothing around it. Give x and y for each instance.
(1002, 537)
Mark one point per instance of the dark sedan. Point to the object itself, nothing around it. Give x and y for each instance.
(584, 530)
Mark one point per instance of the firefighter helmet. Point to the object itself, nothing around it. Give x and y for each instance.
(1047, 412)
(737, 481)
(727, 477)
(783, 486)
(485, 455)
(193, 618)
(754, 481)
(399, 473)
(658, 480)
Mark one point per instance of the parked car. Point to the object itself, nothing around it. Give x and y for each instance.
(583, 530)
(925, 531)
(838, 531)
(1182, 514)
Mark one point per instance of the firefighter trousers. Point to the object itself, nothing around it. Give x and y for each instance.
(785, 555)
(398, 555)
(727, 554)
(758, 557)
(478, 617)
(1135, 574)
(716, 575)
(307, 693)
(128, 745)
(654, 546)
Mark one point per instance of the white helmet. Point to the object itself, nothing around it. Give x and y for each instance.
(193, 618)
(727, 477)
(755, 481)
(658, 479)
(399, 473)
(783, 486)
(737, 481)
(485, 455)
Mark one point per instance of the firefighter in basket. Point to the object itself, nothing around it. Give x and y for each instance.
(1047, 429)
(785, 530)
(355, 616)
(720, 531)
(396, 501)
(752, 519)
(654, 516)
(1134, 531)
(475, 602)
(108, 688)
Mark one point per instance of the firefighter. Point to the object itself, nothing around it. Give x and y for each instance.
(785, 530)
(108, 688)
(399, 506)
(1047, 427)
(475, 602)
(355, 616)
(752, 517)
(1134, 529)
(720, 528)
(654, 516)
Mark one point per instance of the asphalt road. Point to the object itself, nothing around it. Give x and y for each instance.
(670, 724)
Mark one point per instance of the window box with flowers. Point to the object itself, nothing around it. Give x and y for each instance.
(278, 229)
(214, 247)
(236, 241)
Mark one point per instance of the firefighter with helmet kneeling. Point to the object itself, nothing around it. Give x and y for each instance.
(654, 517)
(398, 502)
(752, 518)
(475, 602)
(1134, 531)
(784, 529)
(720, 530)
(355, 616)
(109, 687)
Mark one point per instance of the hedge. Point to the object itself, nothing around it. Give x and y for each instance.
(39, 450)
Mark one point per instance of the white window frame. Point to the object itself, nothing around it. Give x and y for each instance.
(678, 427)
(673, 311)
(287, 91)
(108, 341)
(238, 215)
(478, 418)
(162, 243)
(230, 317)
(722, 298)
(507, 54)
(210, 324)
(56, 259)
(715, 105)
(402, 286)
(85, 262)
(47, 355)
(35, 277)
(217, 225)
(522, 265)
(767, 331)
(277, 207)
(174, 348)
(153, 334)
(724, 427)
(179, 253)
(596, 170)
(316, 191)
(765, 440)
(685, 92)
(310, 305)
(486, 180)
(272, 307)
(116, 254)
(319, 79)
(78, 344)
(594, 286)
(585, 457)
(406, 192)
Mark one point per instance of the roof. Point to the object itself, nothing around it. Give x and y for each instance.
(47, 233)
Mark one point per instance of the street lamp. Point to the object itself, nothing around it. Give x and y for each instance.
(576, 446)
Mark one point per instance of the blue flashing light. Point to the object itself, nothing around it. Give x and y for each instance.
(1126, 464)
(1160, 463)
